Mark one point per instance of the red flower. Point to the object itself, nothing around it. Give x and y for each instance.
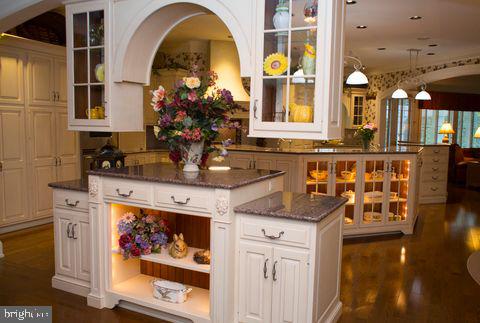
(135, 251)
(124, 239)
(203, 162)
(175, 156)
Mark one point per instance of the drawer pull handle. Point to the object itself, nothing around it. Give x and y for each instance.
(180, 202)
(68, 230)
(436, 160)
(71, 204)
(265, 269)
(434, 188)
(123, 194)
(434, 178)
(272, 236)
(436, 151)
(434, 169)
(274, 271)
(73, 231)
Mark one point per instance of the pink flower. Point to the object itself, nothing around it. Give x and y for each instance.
(158, 106)
(181, 115)
(158, 94)
(129, 217)
(192, 96)
(150, 218)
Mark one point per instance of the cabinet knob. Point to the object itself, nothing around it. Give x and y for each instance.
(68, 230)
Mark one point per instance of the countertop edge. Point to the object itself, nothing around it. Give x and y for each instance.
(73, 185)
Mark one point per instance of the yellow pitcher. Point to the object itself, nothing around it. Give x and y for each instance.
(300, 113)
(98, 112)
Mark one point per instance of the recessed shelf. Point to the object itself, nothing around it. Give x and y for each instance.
(185, 263)
(139, 290)
(343, 181)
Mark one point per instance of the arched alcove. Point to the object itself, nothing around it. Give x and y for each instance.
(138, 46)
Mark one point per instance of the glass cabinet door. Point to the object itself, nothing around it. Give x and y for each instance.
(318, 176)
(345, 185)
(375, 172)
(399, 185)
(288, 62)
(88, 60)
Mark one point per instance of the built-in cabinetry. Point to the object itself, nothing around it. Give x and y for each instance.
(146, 158)
(36, 147)
(297, 80)
(72, 241)
(355, 102)
(434, 174)
(381, 189)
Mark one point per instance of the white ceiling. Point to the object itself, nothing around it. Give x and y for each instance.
(452, 24)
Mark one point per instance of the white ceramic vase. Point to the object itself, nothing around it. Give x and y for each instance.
(192, 156)
(280, 19)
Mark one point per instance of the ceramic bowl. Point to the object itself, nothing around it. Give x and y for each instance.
(319, 175)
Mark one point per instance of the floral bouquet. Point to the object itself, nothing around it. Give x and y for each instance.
(366, 132)
(191, 116)
(142, 234)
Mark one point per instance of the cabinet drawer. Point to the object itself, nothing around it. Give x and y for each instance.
(133, 192)
(279, 232)
(72, 200)
(430, 167)
(434, 160)
(433, 189)
(434, 176)
(183, 199)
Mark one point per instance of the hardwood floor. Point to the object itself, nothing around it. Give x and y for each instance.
(417, 278)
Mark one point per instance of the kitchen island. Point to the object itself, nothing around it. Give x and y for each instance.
(265, 244)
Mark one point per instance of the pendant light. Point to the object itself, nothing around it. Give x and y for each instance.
(399, 94)
(423, 95)
(357, 77)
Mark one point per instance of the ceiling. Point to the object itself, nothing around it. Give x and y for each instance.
(212, 28)
(451, 24)
(462, 84)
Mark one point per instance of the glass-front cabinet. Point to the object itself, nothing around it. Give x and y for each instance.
(298, 72)
(87, 54)
(378, 187)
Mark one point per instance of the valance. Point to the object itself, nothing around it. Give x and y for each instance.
(451, 101)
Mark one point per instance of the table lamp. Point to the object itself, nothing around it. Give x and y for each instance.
(477, 133)
(446, 130)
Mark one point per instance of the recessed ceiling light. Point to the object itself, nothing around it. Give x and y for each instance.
(433, 45)
(381, 48)
(423, 38)
(361, 27)
(351, 2)
(415, 17)
(430, 54)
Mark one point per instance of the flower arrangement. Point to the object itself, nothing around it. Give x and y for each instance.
(366, 132)
(141, 234)
(193, 113)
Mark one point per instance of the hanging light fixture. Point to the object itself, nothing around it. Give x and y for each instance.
(357, 77)
(399, 93)
(423, 95)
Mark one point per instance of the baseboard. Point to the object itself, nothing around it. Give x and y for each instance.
(71, 285)
(25, 225)
(433, 200)
(334, 315)
(154, 313)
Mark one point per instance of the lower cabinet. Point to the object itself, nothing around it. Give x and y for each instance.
(72, 242)
(289, 271)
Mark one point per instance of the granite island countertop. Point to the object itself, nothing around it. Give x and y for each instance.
(294, 206)
(168, 173)
(80, 185)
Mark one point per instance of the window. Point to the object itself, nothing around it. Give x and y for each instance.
(357, 110)
(397, 120)
(465, 124)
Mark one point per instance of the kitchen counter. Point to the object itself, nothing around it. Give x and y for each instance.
(168, 173)
(340, 150)
(80, 185)
(294, 206)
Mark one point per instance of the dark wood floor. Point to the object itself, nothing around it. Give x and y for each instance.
(417, 278)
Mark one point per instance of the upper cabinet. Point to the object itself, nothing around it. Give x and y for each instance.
(87, 61)
(299, 66)
(355, 102)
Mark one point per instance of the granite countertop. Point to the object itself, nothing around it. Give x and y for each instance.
(340, 150)
(74, 185)
(168, 173)
(295, 206)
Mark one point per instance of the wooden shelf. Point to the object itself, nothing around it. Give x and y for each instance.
(139, 290)
(185, 263)
(342, 181)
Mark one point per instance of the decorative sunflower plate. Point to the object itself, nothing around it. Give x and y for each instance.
(275, 64)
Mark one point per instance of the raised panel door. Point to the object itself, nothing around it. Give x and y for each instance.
(265, 162)
(67, 148)
(290, 286)
(13, 205)
(11, 76)
(64, 244)
(43, 157)
(60, 81)
(41, 89)
(82, 247)
(289, 166)
(240, 160)
(255, 292)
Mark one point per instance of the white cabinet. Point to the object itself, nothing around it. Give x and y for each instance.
(72, 242)
(434, 174)
(13, 166)
(297, 83)
(11, 76)
(355, 102)
(47, 80)
(289, 270)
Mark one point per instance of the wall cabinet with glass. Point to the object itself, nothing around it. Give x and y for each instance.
(298, 73)
(379, 189)
(355, 103)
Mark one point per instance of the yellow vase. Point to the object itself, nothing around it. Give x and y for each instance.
(300, 113)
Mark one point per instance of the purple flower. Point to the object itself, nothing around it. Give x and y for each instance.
(165, 121)
(159, 238)
(223, 153)
(227, 95)
(214, 127)
(227, 142)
